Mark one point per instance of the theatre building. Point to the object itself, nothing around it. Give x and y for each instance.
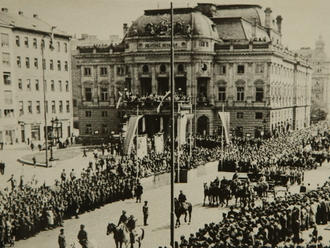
(34, 54)
(227, 58)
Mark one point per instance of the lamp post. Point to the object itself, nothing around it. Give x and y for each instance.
(44, 86)
(264, 123)
(54, 138)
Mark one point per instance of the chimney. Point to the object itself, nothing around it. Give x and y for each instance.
(125, 29)
(268, 11)
(20, 13)
(254, 28)
(35, 16)
(4, 10)
(279, 23)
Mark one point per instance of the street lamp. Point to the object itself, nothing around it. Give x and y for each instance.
(44, 86)
(264, 122)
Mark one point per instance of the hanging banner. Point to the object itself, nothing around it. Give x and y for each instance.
(131, 132)
(142, 149)
(225, 119)
(159, 142)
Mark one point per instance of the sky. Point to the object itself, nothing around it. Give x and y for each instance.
(303, 20)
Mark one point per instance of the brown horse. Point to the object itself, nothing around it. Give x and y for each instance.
(180, 209)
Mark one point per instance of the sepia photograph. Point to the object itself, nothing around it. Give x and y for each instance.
(164, 124)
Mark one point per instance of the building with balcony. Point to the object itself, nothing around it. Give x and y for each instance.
(34, 54)
(227, 58)
(320, 100)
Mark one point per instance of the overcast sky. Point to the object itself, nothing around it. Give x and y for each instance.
(303, 20)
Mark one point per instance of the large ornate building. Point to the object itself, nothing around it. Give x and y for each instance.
(320, 96)
(227, 57)
(28, 60)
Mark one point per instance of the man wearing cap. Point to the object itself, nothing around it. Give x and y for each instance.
(131, 226)
(61, 239)
(145, 210)
(123, 218)
(138, 192)
(82, 237)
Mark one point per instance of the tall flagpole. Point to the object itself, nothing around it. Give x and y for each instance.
(222, 138)
(172, 130)
(137, 135)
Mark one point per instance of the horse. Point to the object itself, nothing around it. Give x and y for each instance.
(207, 194)
(225, 194)
(182, 208)
(261, 189)
(241, 192)
(89, 244)
(121, 235)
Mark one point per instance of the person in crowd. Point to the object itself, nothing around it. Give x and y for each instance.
(63, 176)
(61, 239)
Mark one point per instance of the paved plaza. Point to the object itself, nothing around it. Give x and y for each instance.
(157, 233)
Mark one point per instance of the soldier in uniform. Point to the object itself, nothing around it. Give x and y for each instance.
(63, 176)
(138, 192)
(2, 167)
(123, 218)
(145, 210)
(82, 237)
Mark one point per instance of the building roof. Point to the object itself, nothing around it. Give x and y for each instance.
(187, 21)
(19, 21)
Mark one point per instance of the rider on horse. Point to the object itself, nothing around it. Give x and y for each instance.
(182, 198)
(131, 227)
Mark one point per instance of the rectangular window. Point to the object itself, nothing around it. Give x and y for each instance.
(35, 44)
(259, 94)
(20, 85)
(44, 64)
(88, 113)
(104, 94)
(4, 40)
(8, 97)
(60, 85)
(47, 107)
(59, 65)
(17, 41)
(26, 41)
(222, 69)
(240, 69)
(53, 107)
(88, 128)
(38, 107)
(103, 71)
(6, 78)
(9, 113)
(68, 106)
(66, 47)
(27, 62)
(52, 85)
(258, 115)
(87, 71)
(88, 94)
(222, 94)
(240, 93)
(67, 86)
(28, 85)
(66, 67)
(58, 46)
(259, 68)
(51, 65)
(239, 115)
(37, 85)
(45, 85)
(104, 114)
(18, 61)
(29, 107)
(36, 63)
(6, 59)
(61, 106)
(104, 128)
(21, 108)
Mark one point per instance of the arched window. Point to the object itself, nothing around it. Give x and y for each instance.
(145, 69)
(162, 68)
(202, 125)
(180, 68)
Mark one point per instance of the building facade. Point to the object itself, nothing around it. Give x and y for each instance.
(320, 98)
(34, 55)
(227, 58)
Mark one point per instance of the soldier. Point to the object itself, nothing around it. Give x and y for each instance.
(73, 175)
(63, 176)
(82, 237)
(2, 167)
(123, 218)
(61, 239)
(84, 153)
(145, 210)
(138, 192)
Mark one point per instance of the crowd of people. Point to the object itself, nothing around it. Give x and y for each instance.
(288, 221)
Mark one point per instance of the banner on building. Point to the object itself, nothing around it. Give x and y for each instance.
(119, 100)
(159, 142)
(225, 119)
(161, 102)
(130, 133)
(142, 149)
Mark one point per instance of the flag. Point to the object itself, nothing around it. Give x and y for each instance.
(225, 119)
(119, 99)
(161, 102)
